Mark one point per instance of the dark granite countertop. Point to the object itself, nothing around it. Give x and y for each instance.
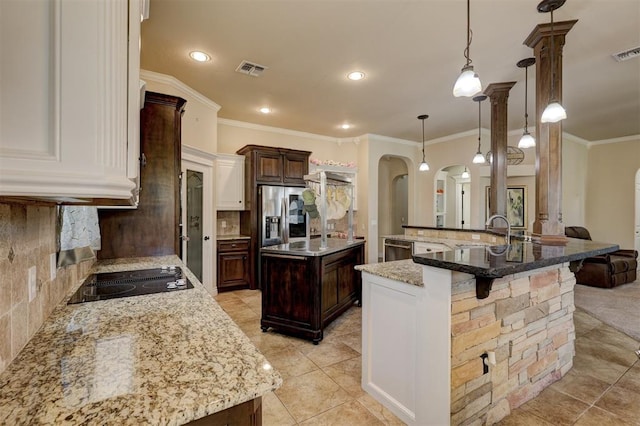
(311, 247)
(519, 256)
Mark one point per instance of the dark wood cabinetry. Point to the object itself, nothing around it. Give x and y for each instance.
(153, 228)
(265, 165)
(248, 413)
(301, 295)
(234, 261)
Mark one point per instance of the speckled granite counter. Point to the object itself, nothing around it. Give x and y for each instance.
(232, 237)
(312, 247)
(161, 359)
(405, 271)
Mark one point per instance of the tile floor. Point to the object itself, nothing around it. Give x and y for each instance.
(322, 383)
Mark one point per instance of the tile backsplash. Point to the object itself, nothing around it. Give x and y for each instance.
(27, 239)
(231, 222)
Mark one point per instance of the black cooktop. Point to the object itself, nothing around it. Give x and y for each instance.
(112, 285)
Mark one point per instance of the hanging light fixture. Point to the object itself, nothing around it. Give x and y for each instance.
(468, 83)
(526, 141)
(465, 174)
(554, 112)
(479, 158)
(423, 166)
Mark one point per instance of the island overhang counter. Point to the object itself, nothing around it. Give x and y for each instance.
(434, 352)
(161, 359)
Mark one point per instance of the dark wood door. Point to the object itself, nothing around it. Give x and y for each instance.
(268, 167)
(234, 265)
(295, 166)
(153, 228)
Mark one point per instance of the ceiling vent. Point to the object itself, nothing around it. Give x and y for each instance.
(627, 54)
(250, 68)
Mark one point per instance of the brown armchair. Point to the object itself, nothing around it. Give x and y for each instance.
(607, 270)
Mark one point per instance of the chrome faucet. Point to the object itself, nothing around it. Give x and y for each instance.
(495, 216)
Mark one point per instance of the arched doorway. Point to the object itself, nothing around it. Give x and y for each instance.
(393, 202)
(452, 192)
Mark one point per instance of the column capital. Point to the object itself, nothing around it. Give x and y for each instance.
(543, 31)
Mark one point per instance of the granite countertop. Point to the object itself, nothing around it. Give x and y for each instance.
(519, 256)
(232, 237)
(404, 271)
(311, 247)
(451, 243)
(165, 358)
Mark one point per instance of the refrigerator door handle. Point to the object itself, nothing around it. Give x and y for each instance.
(284, 224)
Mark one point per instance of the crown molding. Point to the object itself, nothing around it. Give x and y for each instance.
(388, 139)
(178, 85)
(278, 130)
(632, 138)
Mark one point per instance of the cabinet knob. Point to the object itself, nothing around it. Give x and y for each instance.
(244, 257)
(206, 238)
(233, 245)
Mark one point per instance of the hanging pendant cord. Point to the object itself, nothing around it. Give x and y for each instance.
(553, 68)
(479, 121)
(423, 140)
(526, 83)
(467, 50)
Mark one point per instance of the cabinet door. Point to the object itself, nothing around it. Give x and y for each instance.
(268, 167)
(233, 269)
(64, 105)
(295, 167)
(230, 182)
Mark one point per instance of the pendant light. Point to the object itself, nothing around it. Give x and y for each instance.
(468, 83)
(423, 166)
(554, 112)
(465, 174)
(479, 158)
(526, 141)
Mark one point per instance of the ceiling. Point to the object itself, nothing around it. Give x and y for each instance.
(411, 52)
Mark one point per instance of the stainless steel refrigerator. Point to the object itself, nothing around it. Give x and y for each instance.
(282, 219)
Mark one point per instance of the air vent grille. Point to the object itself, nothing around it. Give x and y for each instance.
(627, 54)
(251, 68)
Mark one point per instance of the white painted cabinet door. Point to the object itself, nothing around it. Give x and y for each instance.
(65, 104)
(230, 182)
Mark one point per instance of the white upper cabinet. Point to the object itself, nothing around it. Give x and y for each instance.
(69, 104)
(229, 182)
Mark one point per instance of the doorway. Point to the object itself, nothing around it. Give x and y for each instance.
(197, 218)
(399, 203)
(452, 193)
(637, 227)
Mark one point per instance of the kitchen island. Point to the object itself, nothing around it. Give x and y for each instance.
(306, 287)
(160, 359)
(465, 336)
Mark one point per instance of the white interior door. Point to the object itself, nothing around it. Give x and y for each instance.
(197, 219)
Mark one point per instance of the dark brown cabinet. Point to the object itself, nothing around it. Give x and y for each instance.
(246, 414)
(265, 165)
(301, 295)
(153, 228)
(234, 261)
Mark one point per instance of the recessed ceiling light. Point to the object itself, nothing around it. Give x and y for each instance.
(265, 110)
(346, 126)
(355, 75)
(199, 56)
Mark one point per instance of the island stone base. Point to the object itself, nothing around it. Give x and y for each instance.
(527, 324)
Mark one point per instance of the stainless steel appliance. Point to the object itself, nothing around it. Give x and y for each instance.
(112, 285)
(397, 250)
(282, 219)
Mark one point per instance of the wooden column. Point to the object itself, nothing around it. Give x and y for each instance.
(548, 224)
(498, 93)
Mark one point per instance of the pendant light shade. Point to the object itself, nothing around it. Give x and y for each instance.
(465, 174)
(554, 112)
(423, 167)
(468, 83)
(526, 141)
(479, 158)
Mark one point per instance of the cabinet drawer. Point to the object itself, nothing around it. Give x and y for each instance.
(420, 248)
(233, 245)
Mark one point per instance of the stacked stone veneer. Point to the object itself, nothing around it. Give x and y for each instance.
(527, 320)
(451, 234)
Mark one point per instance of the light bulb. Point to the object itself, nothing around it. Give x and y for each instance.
(468, 83)
(465, 174)
(526, 141)
(553, 113)
(478, 158)
(423, 166)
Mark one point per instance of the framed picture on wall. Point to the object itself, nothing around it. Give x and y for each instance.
(516, 205)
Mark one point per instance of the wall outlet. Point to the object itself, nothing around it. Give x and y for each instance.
(493, 239)
(475, 236)
(33, 288)
(52, 266)
(223, 224)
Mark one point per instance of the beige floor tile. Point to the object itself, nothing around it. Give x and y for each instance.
(609, 335)
(584, 322)
(621, 402)
(348, 375)
(351, 413)
(589, 365)
(556, 407)
(520, 417)
(241, 313)
(581, 386)
(631, 379)
(274, 412)
(270, 342)
(327, 353)
(379, 411)
(249, 327)
(597, 417)
(353, 340)
(290, 362)
(311, 394)
(226, 296)
(243, 294)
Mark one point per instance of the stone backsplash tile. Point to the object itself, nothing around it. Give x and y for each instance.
(231, 221)
(28, 238)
